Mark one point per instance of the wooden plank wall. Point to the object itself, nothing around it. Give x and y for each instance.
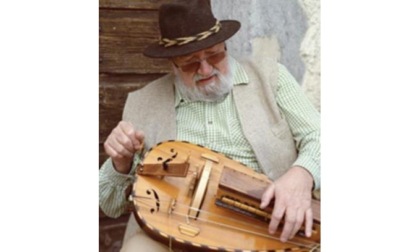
(125, 29)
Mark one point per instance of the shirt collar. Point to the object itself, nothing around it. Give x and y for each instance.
(239, 78)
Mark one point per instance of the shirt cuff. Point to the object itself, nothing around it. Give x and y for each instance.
(109, 173)
(312, 166)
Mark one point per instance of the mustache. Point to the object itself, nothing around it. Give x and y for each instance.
(199, 77)
(214, 91)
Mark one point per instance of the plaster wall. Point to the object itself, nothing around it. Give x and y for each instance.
(288, 30)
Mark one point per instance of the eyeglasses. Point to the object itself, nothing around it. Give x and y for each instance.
(194, 66)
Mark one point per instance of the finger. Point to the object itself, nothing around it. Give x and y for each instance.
(308, 222)
(267, 196)
(289, 224)
(276, 217)
(139, 135)
(123, 142)
(114, 154)
(120, 142)
(298, 223)
(110, 151)
(136, 136)
(117, 149)
(128, 130)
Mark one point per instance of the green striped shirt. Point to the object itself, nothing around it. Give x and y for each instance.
(216, 125)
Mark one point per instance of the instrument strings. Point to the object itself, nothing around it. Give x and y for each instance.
(148, 202)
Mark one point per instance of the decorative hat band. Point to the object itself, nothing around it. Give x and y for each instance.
(185, 40)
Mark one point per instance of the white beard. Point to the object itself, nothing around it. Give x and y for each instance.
(212, 92)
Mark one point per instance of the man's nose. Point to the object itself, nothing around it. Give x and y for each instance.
(205, 68)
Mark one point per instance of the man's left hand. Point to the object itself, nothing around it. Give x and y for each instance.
(292, 193)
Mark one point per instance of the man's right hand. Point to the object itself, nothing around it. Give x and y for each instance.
(122, 144)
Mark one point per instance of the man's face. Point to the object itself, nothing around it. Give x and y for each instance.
(196, 69)
(203, 75)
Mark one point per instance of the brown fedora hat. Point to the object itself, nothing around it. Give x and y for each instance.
(189, 26)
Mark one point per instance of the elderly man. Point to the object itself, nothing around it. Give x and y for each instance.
(252, 111)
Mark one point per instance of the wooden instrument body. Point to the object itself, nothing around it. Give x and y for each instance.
(162, 206)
